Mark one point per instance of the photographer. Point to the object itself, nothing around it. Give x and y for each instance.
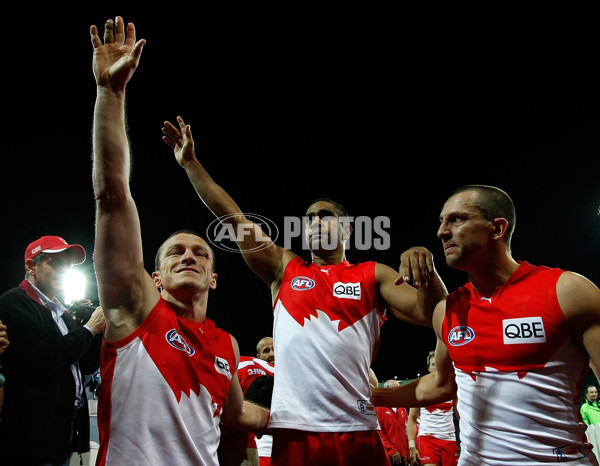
(45, 415)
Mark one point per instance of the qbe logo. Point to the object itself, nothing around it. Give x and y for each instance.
(303, 283)
(347, 290)
(523, 330)
(178, 342)
(461, 335)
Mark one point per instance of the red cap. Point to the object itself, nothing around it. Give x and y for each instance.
(54, 244)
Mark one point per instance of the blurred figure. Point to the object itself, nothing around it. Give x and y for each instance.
(590, 411)
(393, 430)
(437, 445)
(45, 415)
(238, 447)
(264, 443)
(590, 415)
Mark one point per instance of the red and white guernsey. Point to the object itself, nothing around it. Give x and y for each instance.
(250, 368)
(162, 392)
(329, 321)
(519, 373)
(438, 420)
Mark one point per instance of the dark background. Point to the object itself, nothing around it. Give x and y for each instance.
(384, 111)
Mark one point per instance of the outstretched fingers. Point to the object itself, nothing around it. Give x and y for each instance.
(95, 38)
(170, 130)
(130, 39)
(108, 37)
(172, 136)
(109, 32)
(119, 30)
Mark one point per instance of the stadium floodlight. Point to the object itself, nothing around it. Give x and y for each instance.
(73, 286)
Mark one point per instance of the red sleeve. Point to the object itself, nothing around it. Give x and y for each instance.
(402, 445)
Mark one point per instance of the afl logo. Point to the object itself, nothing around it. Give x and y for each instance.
(178, 342)
(302, 283)
(459, 336)
(225, 234)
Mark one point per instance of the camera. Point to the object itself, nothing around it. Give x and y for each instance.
(81, 310)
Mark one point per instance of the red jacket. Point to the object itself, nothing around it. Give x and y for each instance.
(393, 430)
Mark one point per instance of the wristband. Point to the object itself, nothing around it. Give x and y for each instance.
(411, 444)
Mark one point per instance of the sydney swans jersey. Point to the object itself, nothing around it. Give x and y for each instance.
(327, 323)
(438, 420)
(162, 392)
(249, 369)
(519, 373)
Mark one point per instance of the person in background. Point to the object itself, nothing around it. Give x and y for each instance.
(590, 411)
(393, 430)
(45, 414)
(238, 447)
(326, 310)
(264, 350)
(590, 415)
(437, 445)
(516, 340)
(169, 375)
(264, 390)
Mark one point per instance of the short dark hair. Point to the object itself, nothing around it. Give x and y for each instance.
(493, 203)
(260, 391)
(340, 210)
(178, 232)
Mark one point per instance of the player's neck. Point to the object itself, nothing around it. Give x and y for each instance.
(328, 259)
(493, 275)
(192, 307)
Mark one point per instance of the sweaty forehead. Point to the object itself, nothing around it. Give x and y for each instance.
(187, 240)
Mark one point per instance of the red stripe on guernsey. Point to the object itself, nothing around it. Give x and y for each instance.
(343, 292)
(107, 369)
(445, 407)
(518, 329)
(187, 354)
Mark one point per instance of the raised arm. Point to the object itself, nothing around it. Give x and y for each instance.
(435, 387)
(125, 290)
(412, 304)
(265, 258)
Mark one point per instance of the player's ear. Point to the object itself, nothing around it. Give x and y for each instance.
(500, 227)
